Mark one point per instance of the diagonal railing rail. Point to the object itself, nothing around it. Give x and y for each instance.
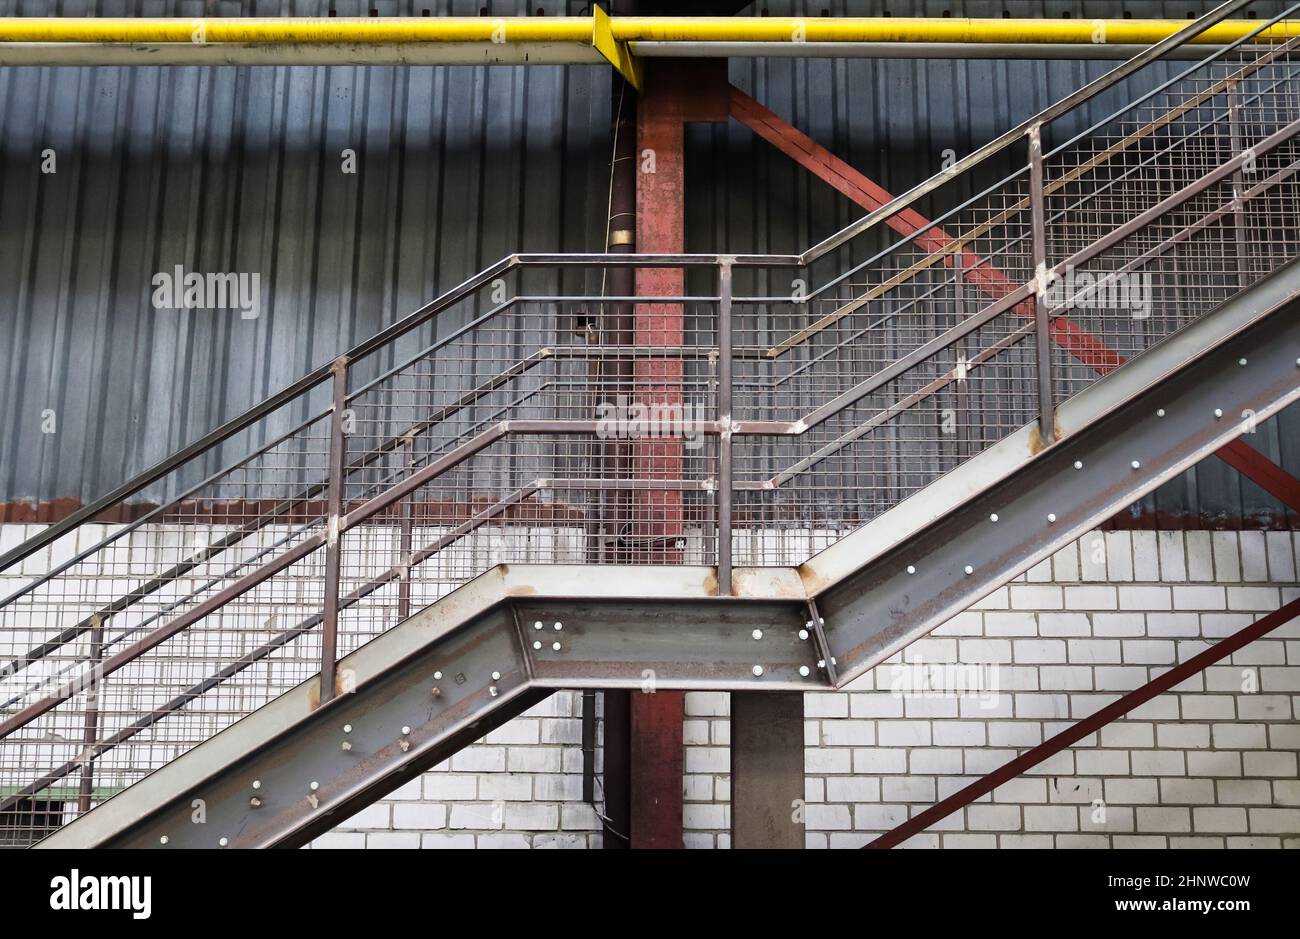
(735, 429)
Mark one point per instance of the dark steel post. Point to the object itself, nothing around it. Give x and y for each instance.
(1239, 184)
(90, 740)
(405, 546)
(724, 438)
(767, 767)
(1042, 323)
(333, 539)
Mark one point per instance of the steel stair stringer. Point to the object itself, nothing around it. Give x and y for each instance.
(487, 651)
(478, 647)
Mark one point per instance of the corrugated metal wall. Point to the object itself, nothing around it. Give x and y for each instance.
(238, 170)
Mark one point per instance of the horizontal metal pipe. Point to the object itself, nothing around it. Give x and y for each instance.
(570, 40)
(448, 53)
(581, 29)
(899, 50)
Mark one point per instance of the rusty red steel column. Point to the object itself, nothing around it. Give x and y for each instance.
(674, 93)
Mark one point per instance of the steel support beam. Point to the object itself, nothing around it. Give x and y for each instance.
(1089, 725)
(767, 770)
(296, 771)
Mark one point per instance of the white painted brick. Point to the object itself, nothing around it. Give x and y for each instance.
(1010, 623)
(534, 759)
(1158, 762)
(1038, 650)
(1173, 561)
(1173, 624)
(826, 704)
(392, 839)
(1092, 557)
(1064, 624)
(1200, 556)
(1227, 556)
(828, 817)
(1146, 556)
(903, 733)
(1132, 791)
(1268, 763)
(849, 733)
(1118, 624)
(1051, 818)
(1187, 791)
(707, 704)
(875, 704)
(919, 789)
(1254, 599)
(1275, 821)
(1254, 556)
(449, 787)
(1208, 706)
(1164, 818)
(984, 650)
(1102, 762)
(709, 760)
(1093, 651)
(1149, 652)
(1144, 597)
(1128, 734)
(1215, 763)
(936, 761)
(1033, 597)
(958, 733)
(1095, 597)
(419, 816)
(1281, 557)
(1119, 556)
(878, 817)
(1065, 566)
(1183, 736)
(704, 815)
(852, 789)
(1200, 597)
(1244, 791)
(877, 760)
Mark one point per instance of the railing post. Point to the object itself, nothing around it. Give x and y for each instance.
(724, 437)
(405, 544)
(333, 539)
(1042, 324)
(90, 739)
(1238, 144)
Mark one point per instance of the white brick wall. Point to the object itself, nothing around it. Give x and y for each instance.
(1211, 763)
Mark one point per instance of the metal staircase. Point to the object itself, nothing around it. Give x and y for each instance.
(414, 543)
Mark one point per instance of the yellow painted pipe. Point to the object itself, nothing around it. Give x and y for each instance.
(575, 29)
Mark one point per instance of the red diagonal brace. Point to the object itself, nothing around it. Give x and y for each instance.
(1066, 333)
(1089, 725)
